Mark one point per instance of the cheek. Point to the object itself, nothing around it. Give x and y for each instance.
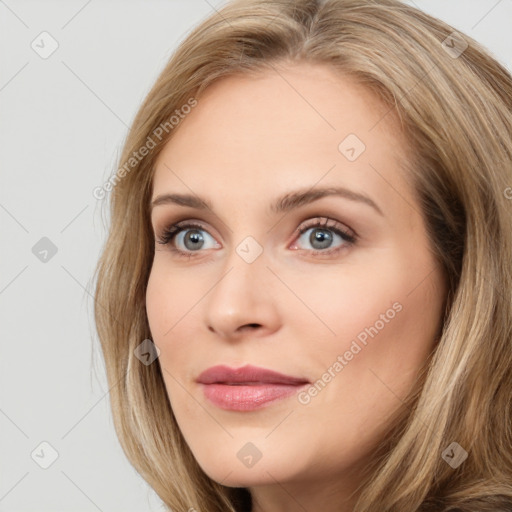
(169, 297)
(158, 303)
(385, 327)
(162, 307)
(172, 310)
(166, 299)
(337, 307)
(362, 375)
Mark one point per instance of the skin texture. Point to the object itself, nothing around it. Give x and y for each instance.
(248, 141)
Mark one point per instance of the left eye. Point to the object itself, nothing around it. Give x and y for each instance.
(321, 237)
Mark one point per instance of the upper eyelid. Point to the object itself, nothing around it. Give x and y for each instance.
(313, 221)
(325, 222)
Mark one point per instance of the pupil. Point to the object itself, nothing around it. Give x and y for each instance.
(322, 236)
(195, 237)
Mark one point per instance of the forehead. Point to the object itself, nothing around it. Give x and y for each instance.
(296, 125)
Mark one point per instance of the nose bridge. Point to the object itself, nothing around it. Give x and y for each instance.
(241, 294)
(244, 275)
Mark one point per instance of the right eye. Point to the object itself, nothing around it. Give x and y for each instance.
(191, 237)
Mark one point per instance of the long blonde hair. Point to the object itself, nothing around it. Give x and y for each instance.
(454, 102)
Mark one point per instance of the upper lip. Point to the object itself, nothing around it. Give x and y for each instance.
(247, 374)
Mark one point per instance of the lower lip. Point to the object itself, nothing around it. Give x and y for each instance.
(250, 397)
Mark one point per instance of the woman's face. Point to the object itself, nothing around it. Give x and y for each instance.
(352, 305)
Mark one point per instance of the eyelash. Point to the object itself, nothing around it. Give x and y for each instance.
(170, 232)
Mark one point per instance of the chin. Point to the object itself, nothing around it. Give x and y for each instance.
(233, 472)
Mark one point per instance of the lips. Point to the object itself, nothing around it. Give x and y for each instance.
(246, 375)
(248, 388)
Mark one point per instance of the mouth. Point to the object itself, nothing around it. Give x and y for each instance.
(247, 388)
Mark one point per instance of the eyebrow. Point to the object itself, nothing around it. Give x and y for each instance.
(283, 204)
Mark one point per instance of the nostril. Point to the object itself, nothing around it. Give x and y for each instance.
(251, 326)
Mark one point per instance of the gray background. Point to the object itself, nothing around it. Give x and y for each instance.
(62, 122)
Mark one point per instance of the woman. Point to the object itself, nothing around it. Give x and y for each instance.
(304, 298)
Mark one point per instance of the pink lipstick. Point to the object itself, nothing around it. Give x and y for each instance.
(247, 388)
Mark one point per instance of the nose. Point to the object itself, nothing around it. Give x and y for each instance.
(243, 300)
